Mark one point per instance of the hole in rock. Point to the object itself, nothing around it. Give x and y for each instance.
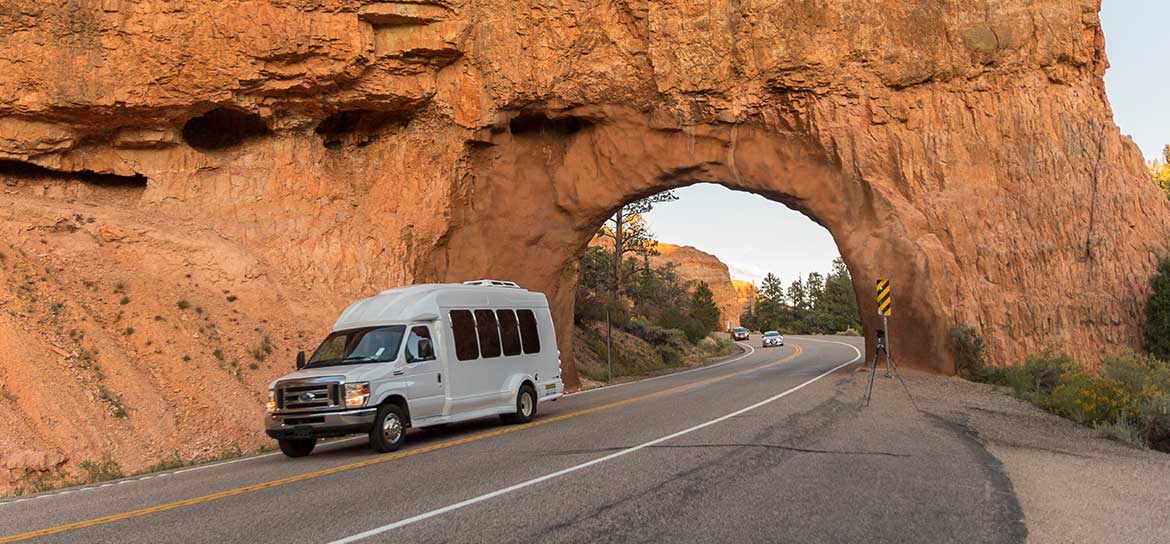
(541, 123)
(223, 128)
(359, 127)
(27, 171)
(751, 263)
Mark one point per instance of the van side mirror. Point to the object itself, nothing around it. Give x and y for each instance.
(300, 360)
(426, 351)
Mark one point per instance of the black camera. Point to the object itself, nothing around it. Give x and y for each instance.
(880, 333)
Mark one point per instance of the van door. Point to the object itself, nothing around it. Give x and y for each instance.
(424, 374)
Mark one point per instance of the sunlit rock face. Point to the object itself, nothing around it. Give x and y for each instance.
(310, 152)
(693, 266)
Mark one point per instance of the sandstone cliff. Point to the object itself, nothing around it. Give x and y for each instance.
(745, 293)
(304, 153)
(694, 266)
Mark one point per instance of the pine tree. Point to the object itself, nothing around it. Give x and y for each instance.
(838, 303)
(629, 233)
(703, 308)
(1157, 325)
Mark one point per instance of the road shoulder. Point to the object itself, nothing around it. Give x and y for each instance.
(1072, 484)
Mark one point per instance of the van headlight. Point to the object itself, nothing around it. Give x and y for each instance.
(271, 401)
(356, 394)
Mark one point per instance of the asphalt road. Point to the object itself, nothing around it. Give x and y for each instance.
(772, 446)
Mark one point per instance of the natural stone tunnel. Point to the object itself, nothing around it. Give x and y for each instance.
(965, 150)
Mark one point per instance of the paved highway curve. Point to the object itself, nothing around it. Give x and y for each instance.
(769, 446)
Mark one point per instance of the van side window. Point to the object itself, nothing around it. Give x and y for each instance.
(489, 333)
(509, 332)
(419, 346)
(463, 327)
(528, 333)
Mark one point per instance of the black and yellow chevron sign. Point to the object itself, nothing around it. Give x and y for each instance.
(884, 299)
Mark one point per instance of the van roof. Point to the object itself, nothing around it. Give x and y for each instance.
(403, 304)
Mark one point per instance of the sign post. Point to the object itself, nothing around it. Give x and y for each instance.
(885, 302)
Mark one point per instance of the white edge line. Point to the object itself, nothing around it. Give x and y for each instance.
(750, 351)
(575, 468)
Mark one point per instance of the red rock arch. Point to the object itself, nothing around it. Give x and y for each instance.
(534, 199)
(965, 149)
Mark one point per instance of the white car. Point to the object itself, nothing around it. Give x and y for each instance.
(420, 356)
(772, 338)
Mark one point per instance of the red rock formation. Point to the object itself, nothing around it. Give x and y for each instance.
(307, 153)
(745, 293)
(694, 266)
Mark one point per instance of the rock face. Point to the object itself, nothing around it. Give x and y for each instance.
(695, 266)
(745, 294)
(304, 153)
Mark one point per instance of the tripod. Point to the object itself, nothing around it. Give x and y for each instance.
(880, 349)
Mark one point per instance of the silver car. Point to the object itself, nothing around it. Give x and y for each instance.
(772, 338)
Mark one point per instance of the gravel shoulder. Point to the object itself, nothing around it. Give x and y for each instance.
(1072, 484)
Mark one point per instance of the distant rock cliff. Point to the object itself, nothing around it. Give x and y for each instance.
(695, 266)
(746, 292)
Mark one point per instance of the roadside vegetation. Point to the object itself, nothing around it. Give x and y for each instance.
(819, 304)
(1126, 398)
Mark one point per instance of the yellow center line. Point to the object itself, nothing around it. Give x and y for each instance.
(376, 460)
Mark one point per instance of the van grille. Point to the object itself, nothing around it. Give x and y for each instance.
(300, 396)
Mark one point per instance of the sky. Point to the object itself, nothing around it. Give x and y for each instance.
(755, 236)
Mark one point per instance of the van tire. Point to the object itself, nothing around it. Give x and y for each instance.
(525, 406)
(297, 447)
(389, 431)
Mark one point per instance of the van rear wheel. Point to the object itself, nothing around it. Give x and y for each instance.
(525, 406)
(297, 447)
(389, 430)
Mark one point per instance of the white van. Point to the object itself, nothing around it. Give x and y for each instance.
(420, 356)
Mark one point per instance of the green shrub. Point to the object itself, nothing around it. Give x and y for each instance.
(656, 335)
(1040, 374)
(1157, 324)
(1154, 415)
(1124, 431)
(970, 357)
(1141, 375)
(116, 406)
(1090, 399)
(673, 318)
(106, 469)
(670, 355)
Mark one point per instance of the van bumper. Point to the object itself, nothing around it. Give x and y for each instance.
(319, 425)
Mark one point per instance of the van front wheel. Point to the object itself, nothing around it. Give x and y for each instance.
(389, 430)
(297, 447)
(525, 407)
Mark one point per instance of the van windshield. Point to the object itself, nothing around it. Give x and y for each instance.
(356, 346)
